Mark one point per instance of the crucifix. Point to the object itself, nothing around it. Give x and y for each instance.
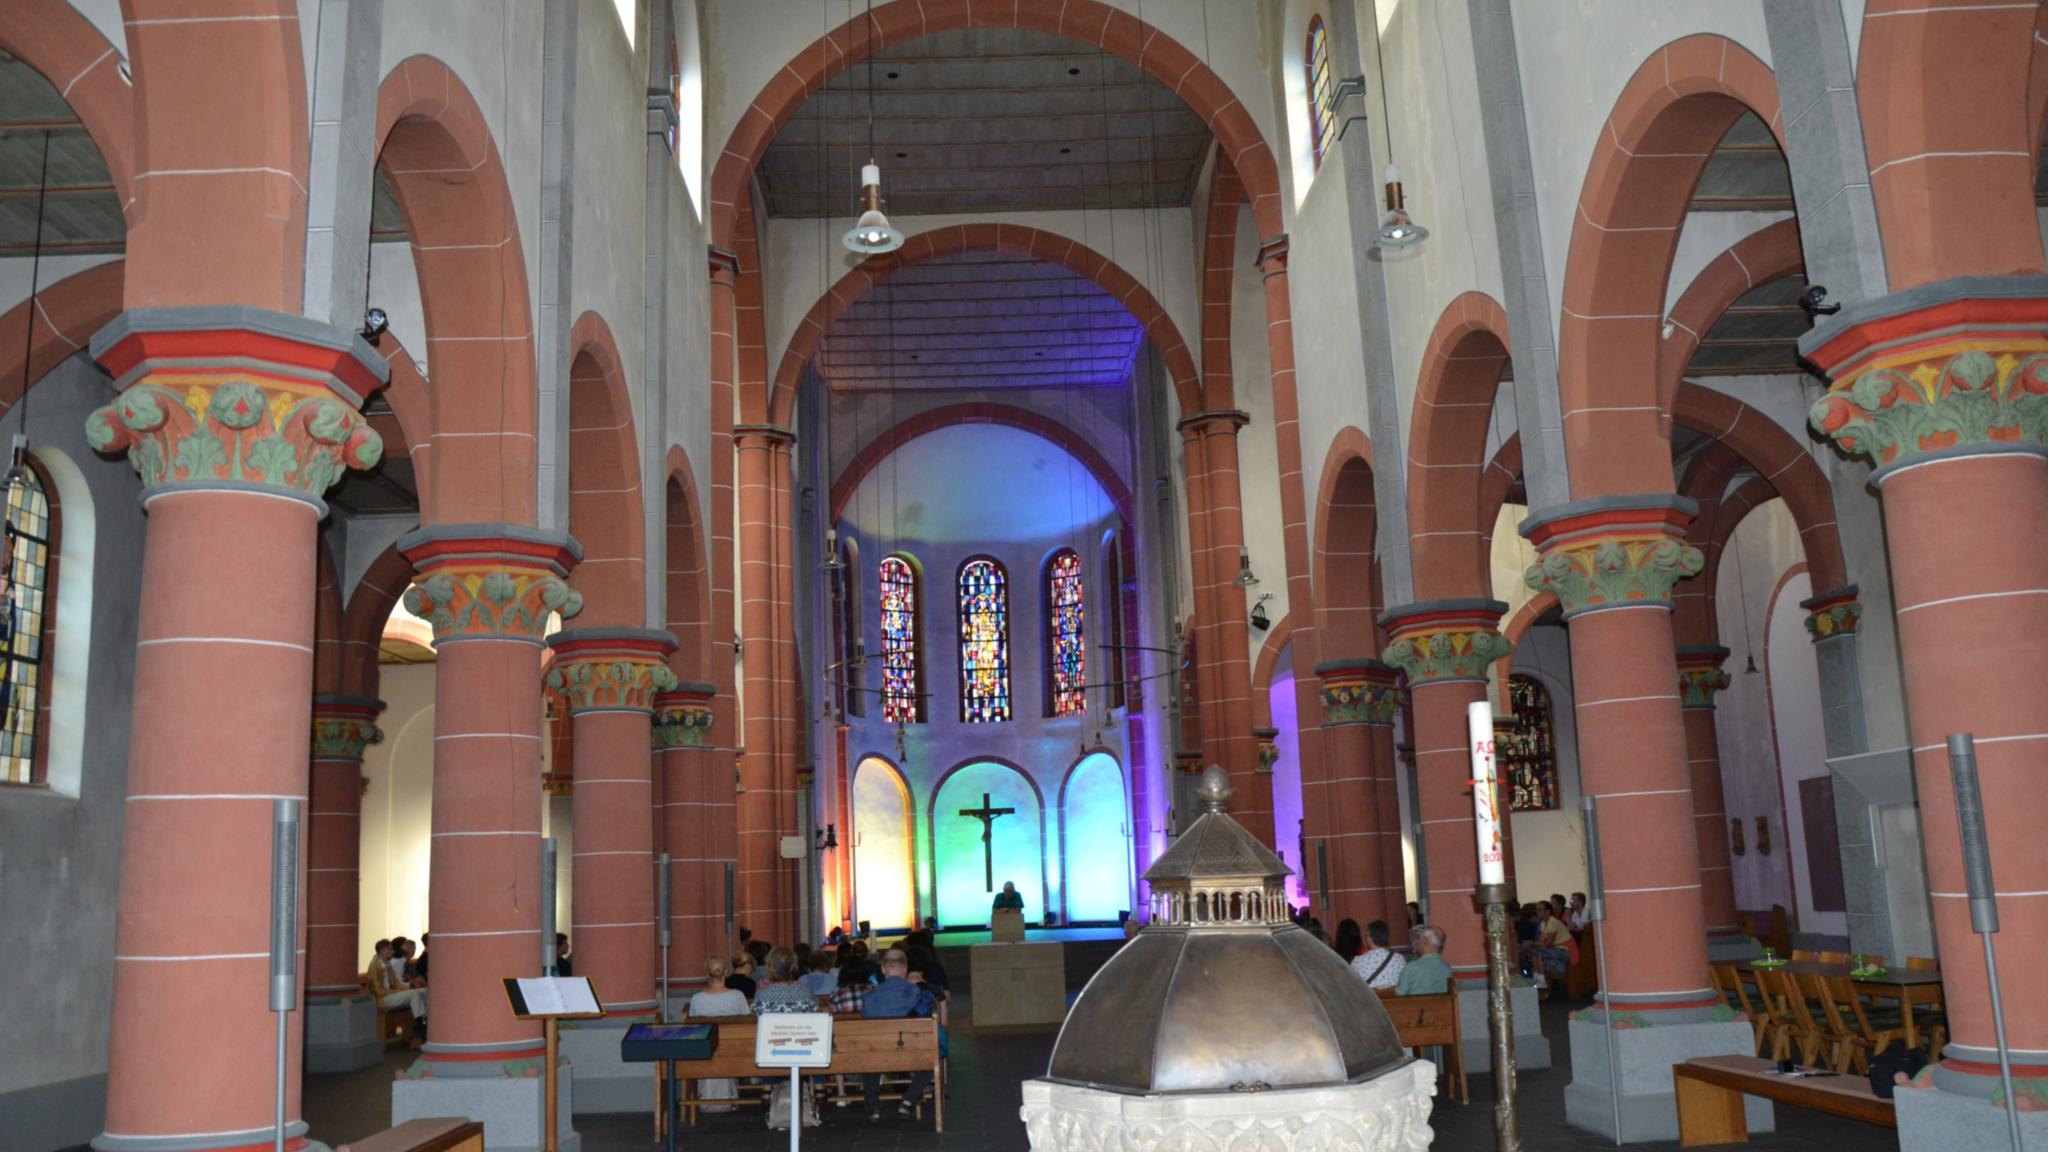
(987, 815)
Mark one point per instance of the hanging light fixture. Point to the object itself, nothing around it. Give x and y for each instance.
(1397, 229)
(831, 563)
(872, 234)
(1245, 577)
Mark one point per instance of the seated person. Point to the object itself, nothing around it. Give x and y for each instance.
(1009, 898)
(1553, 950)
(420, 965)
(823, 978)
(715, 1001)
(896, 996)
(740, 975)
(1379, 966)
(1577, 915)
(390, 993)
(1427, 974)
(780, 990)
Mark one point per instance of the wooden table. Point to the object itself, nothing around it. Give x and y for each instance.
(1910, 987)
(1710, 1089)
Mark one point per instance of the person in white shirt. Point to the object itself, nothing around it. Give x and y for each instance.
(1379, 966)
(1577, 915)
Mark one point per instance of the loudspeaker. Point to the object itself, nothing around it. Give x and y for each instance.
(661, 926)
(1962, 769)
(547, 906)
(284, 905)
(1596, 889)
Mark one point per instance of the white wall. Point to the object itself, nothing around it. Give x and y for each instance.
(1550, 847)
(398, 805)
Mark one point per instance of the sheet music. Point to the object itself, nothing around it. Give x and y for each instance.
(543, 996)
(578, 998)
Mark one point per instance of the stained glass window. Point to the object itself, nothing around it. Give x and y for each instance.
(21, 626)
(1322, 104)
(1528, 751)
(902, 671)
(1066, 640)
(984, 641)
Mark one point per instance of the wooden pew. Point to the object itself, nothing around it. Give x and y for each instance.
(1582, 979)
(1709, 1092)
(902, 1045)
(435, 1135)
(1431, 1022)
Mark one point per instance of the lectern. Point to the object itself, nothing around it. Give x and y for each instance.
(548, 999)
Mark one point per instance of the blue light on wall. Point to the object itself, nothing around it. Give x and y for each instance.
(1096, 843)
(1015, 843)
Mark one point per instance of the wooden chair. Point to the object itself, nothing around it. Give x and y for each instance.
(1796, 1023)
(1858, 1032)
(1832, 957)
(1805, 956)
(1431, 1022)
(1728, 984)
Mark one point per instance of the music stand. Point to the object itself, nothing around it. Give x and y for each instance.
(548, 999)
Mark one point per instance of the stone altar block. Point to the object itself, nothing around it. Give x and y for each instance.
(1006, 926)
(1019, 984)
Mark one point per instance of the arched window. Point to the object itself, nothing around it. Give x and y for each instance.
(1322, 105)
(31, 534)
(984, 641)
(1529, 753)
(902, 642)
(1066, 640)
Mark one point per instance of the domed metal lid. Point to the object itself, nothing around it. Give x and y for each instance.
(1221, 992)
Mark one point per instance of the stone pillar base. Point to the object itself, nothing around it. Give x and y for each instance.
(1649, 1110)
(504, 1095)
(341, 1035)
(1730, 949)
(1931, 1119)
(1532, 1047)
(605, 1083)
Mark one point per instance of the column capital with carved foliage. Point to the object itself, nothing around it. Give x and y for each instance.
(1833, 613)
(611, 669)
(1954, 368)
(1359, 692)
(1445, 641)
(682, 716)
(235, 397)
(343, 726)
(1700, 675)
(490, 581)
(1269, 749)
(1613, 552)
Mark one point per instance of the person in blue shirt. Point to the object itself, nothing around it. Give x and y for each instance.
(896, 996)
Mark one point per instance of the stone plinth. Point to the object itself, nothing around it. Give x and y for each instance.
(1389, 1113)
(505, 1096)
(1019, 985)
(604, 1083)
(1532, 1047)
(341, 1034)
(1643, 1057)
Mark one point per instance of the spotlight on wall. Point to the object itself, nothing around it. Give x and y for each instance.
(375, 322)
(828, 839)
(831, 562)
(1259, 618)
(1245, 576)
(1814, 300)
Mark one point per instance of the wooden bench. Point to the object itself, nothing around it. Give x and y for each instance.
(1582, 979)
(1431, 1022)
(394, 1025)
(859, 1046)
(432, 1135)
(1710, 1089)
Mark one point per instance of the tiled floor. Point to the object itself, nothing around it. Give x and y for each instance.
(981, 1111)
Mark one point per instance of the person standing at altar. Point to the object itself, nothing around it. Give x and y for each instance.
(1008, 898)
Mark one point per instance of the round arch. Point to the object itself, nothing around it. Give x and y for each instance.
(884, 841)
(1765, 446)
(465, 243)
(964, 836)
(1461, 371)
(1651, 151)
(687, 571)
(1346, 574)
(605, 502)
(368, 606)
(1694, 622)
(63, 318)
(1010, 239)
(932, 420)
(1094, 839)
(1089, 21)
(1758, 258)
(1263, 668)
(51, 37)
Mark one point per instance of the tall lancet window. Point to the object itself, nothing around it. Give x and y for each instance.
(1322, 104)
(984, 641)
(23, 627)
(902, 643)
(1066, 645)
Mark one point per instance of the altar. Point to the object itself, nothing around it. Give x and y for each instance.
(1019, 984)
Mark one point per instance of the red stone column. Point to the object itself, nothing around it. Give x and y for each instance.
(765, 891)
(343, 726)
(237, 421)
(1229, 652)
(1446, 647)
(723, 849)
(610, 676)
(697, 805)
(488, 591)
(1700, 677)
(1359, 703)
(1201, 561)
(1612, 564)
(1944, 390)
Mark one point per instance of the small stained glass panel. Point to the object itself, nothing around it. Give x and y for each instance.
(1528, 751)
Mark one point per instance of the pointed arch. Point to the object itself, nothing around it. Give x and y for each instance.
(687, 593)
(1758, 258)
(1346, 575)
(368, 606)
(1448, 519)
(605, 503)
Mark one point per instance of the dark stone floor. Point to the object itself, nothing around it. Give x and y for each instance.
(981, 1111)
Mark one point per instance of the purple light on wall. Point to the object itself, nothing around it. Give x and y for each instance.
(1287, 780)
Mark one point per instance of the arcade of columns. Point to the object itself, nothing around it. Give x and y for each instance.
(239, 413)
